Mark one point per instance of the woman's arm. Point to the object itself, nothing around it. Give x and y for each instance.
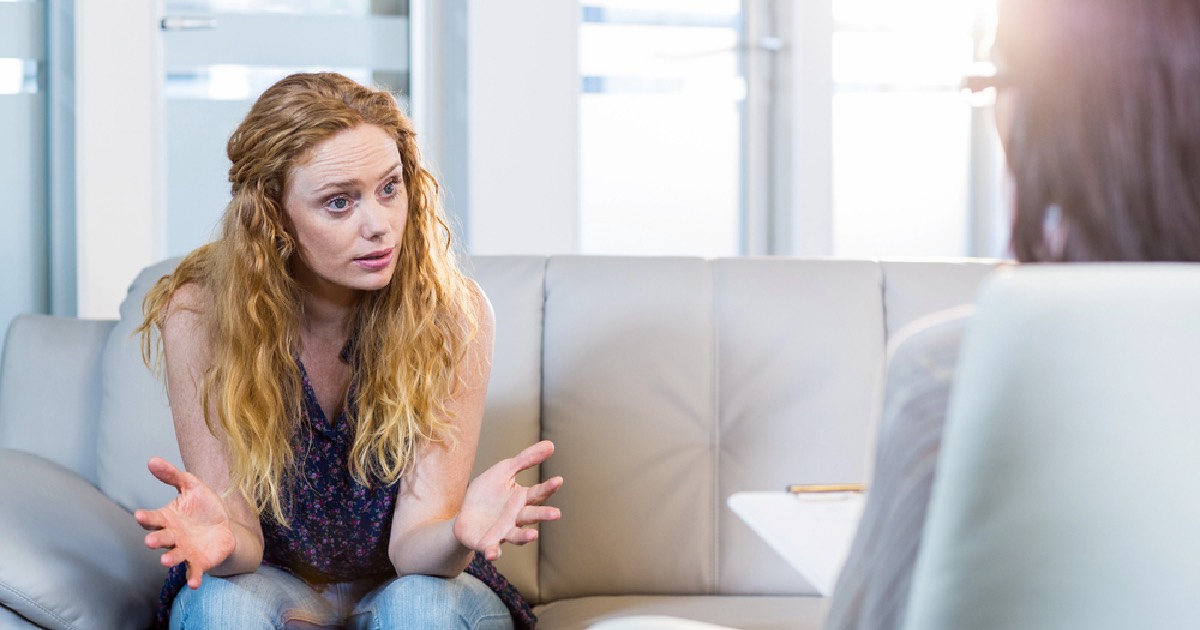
(440, 520)
(214, 530)
(872, 590)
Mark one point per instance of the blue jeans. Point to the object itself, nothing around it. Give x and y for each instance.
(275, 599)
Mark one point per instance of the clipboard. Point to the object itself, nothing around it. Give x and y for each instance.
(811, 530)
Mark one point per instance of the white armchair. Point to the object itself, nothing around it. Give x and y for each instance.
(1067, 488)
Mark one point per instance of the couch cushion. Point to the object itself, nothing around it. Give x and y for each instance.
(744, 612)
(50, 389)
(654, 622)
(135, 419)
(75, 562)
(628, 401)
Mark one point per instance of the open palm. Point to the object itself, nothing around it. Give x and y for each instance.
(497, 509)
(193, 528)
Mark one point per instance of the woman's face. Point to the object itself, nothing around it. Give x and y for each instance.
(347, 205)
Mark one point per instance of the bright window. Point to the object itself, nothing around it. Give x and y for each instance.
(905, 150)
(668, 166)
(659, 127)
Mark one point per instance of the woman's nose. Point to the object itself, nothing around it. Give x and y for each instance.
(374, 219)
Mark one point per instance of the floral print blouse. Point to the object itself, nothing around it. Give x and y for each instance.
(338, 529)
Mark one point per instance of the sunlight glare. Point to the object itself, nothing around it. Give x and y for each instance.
(12, 75)
(917, 43)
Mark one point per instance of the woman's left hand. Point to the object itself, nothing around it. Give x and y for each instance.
(497, 509)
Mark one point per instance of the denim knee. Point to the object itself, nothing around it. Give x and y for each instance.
(267, 598)
(218, 603)
(422, 601)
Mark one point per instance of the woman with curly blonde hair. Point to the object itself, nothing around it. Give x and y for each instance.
(326, 366)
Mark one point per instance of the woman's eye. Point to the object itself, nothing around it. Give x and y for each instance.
(338, 204)
(389, 189)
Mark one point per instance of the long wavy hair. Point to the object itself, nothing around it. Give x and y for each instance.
(410, 337)
(1105, 133)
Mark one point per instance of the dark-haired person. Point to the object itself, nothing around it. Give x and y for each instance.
(1098, 110)
(326, 366)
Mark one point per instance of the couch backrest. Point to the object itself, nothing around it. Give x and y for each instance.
(135, 421)
(48, 391)
(667, 384)
(671, 383)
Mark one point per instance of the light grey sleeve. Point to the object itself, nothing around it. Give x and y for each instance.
(872, 591)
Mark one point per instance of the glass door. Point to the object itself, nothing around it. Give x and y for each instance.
(23, 240)
(221, 54)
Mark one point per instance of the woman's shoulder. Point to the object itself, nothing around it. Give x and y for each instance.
(479, 302)
(187, 314)
(190, 300)
(920, 374)
(474, 311)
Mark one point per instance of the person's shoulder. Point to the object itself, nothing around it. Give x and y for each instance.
(187, 314)
(920, 375)
(192, 299)
(481, 308)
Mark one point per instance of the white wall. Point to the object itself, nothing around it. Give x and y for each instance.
(118, 148)
(806, 177)
(523, 133)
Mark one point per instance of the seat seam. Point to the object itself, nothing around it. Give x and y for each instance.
(38, 605)
(539, 595)
(715, 415)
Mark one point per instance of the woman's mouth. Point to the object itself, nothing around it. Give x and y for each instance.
(376, 260)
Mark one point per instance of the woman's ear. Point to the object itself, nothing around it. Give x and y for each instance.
(1054, 233)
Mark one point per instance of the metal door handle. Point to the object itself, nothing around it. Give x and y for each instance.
(180, 23)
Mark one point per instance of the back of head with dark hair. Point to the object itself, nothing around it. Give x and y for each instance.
(1105, 126)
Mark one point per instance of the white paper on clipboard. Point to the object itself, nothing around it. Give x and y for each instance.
(812, 532)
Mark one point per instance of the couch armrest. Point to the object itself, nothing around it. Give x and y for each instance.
(72, 558)
(50, 389)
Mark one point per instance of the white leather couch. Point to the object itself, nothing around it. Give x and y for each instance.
(667, 384)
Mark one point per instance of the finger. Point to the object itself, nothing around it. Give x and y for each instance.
(532, 456)
(540, 493)
(536, 514)
(150, 520)
(521, 536)
(166, 472)
(161, 539)
(491, 553)
(194, 577)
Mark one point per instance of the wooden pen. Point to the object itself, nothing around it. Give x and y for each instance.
(819, 488)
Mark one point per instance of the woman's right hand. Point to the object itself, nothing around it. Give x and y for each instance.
(193, 528)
